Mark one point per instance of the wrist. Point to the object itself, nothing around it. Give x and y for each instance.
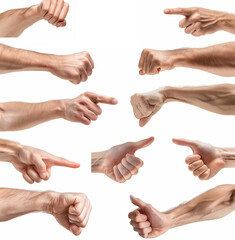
(32, 14)
(97, 162)
(180, 57)
(226, 22)
(228, 157)
(168, 94)
(43, 202)
(9, 151)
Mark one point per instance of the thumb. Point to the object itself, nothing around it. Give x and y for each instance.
(62, 162)
(143, 143)
(136, 201)
(184, 142)
(144, 121)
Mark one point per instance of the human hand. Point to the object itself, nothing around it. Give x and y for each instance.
(35, 164)
(75, 67)
(154, 61)
(54, 11)
(71, 210)
(85, 108)
(206, 160)
(119, 162)
(198, 21)
(145, 105)
(146, 220)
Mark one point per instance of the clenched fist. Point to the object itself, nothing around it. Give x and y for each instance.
(54, 11)
(85, 108)
(35, 164)
(154, 61)
(119, 162)
(145, 105)
(199, 21)
(75, 67)
(206, 160)
(146, 220)
(71, 210)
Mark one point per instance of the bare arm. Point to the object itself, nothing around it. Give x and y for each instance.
(34, 164)
(216, 98)
(14, 22)
(217, 59)
(75, 67)
(83, 109)
(200, 21)
(71, 210)
(213, 204)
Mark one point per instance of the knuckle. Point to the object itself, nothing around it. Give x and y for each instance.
(87, 94)
(86, 54)
(66, 5)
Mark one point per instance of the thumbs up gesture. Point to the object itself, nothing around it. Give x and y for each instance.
(148, 221)
(35, 164)
(206, 160)
(119, 162)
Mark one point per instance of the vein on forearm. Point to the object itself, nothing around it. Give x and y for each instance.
(210, 205)
(217, 98)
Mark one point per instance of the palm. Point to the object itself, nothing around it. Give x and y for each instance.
(157, 221)
(210, 156)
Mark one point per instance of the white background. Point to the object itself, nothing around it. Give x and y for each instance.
(115, 32)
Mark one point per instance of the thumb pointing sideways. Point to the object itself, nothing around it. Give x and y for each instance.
(143, 143)
(185, 142)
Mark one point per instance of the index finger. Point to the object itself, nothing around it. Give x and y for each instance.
(179, 11)
(96, 98)
(62, 162)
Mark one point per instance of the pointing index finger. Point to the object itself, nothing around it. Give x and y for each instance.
(62, 162)
(179, 11)
(96, 98)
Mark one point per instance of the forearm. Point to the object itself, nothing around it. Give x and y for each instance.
(213, 204)
(15, 203)
(218, 59)
(19, 115)
(216, 98)
(9, 150)
(14, 22)
(13, 59)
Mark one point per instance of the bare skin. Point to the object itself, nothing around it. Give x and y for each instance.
(34, 164)
(217, 59)
(74, 67)
(216, 98)
(71, 210)
(207, 160)
(201, 21)
(15, 21)
(216, 203)
(83, 109)
(119, 162)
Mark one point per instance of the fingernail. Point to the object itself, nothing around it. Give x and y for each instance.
(114, 101)
(43, 175)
